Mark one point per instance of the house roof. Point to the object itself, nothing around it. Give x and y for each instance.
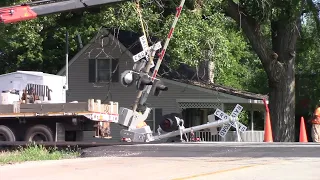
(183, 74)
(223, 89)
(33, 73)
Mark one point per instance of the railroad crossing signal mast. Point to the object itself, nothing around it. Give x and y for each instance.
(145, 83)
(134, 118)
(172, 125)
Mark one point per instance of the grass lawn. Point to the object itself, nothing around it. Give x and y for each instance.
(35, 153)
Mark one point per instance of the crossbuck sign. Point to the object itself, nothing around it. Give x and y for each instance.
(235, 113)
(146, 49)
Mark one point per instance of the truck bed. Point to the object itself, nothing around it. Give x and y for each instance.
(18, 109)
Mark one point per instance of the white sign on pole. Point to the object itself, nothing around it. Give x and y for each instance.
(156, 46)
(139, 56)
(143, 53)
(224, 130)
(144, 42)
(235, 113)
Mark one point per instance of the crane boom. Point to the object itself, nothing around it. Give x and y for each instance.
(29, 11)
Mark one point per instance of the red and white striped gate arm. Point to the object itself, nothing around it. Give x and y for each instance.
(179, 9)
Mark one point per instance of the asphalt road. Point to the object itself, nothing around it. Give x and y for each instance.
(230, 161)
(252, 150)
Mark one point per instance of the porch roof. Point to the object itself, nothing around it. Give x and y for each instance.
(224, 89)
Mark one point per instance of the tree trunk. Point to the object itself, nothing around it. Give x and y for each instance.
(282, 107)
(279, 64)
(282, 79)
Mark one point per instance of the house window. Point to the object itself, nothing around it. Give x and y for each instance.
(154, 119)
(150, 121)
(103, 70)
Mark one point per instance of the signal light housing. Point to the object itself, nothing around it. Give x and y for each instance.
(158, 87)
(169, 122)
(143, 81)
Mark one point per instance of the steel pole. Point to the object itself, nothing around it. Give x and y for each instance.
(195, 128)
(145, 93)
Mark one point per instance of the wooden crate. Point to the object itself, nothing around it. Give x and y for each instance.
(96, 106)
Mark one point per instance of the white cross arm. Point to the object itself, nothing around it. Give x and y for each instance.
(139, 56)
(224, 130)
(220, 114)
(144, 42)
(156, 46)
(235, 113)
(143, 53)
(145, 46)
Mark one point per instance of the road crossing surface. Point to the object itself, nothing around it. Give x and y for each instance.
(238, 161)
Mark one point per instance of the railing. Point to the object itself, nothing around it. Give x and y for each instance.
(247, 136)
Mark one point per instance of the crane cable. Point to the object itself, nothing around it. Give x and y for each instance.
(138, 9)
(162, 53)
(149, 57)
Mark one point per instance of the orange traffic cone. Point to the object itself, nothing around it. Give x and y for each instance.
(267, 128)
(303, 134)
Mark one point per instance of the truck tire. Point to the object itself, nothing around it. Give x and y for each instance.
(39, 133)
(6, 134)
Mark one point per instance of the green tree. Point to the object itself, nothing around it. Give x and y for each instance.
(276, 49)
(308, 67)
(39, 44)
(270, 29)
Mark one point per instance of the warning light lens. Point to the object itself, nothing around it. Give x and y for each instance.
(166, 123)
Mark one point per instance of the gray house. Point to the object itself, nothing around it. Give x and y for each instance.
(95, 72)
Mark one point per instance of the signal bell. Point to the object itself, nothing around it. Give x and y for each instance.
(127, 78)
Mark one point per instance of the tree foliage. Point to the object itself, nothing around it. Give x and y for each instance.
(200, 34)
(273, 30)
(308, 67)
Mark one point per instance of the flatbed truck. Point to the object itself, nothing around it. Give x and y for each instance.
(53, 121)
(56, 122)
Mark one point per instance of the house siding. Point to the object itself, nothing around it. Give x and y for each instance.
(81, 90)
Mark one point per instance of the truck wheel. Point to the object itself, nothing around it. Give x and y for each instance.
(6, 134)
(39, 133)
